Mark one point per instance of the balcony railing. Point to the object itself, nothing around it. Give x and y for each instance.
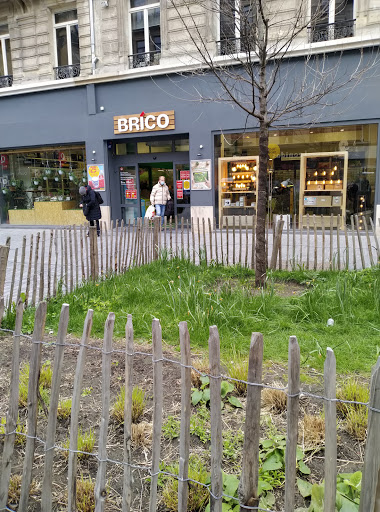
(6, 81)
(330, 31)
(231, 46)
(142, 60)
(62, 72)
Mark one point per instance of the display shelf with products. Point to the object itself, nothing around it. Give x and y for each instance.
(323, 185)
(238, 189)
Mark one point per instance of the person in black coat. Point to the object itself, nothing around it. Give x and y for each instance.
(90, 205)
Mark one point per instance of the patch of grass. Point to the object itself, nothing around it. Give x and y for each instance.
(238, 369)
(312, 431)
(355, 415)
(46, 375)
(85, 494)
(64, 409)
(198, 494)
(177, 290)
(142, 433)
(14, 489)
(138, 405)
(274, 399)
(86, 444)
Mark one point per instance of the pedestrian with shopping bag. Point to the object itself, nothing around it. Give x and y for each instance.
(159, 196)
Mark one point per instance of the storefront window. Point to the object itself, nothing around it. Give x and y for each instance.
(29, 176)
(286, 148)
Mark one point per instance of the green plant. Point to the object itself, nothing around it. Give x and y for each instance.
(20, 438)
(203, 393)
(14, 489)
(198, 494)
(85, 497)
(347, 495)
(138, 405)
(64, 409)
(200, 424)
(355, 415)
(232, 444)
(171, 429)
(85, 445)
(238, 369)
(46, 375)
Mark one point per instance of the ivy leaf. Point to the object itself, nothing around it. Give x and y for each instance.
(304, 488)
(235, 401)
(303, 468)
(226, 387)
(196, 396)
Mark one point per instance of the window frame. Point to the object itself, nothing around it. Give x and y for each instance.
(67, 25)
(332, 6)
(145, 9)
(4, 52)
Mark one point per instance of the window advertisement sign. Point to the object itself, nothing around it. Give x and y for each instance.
(200, 174)
(179, 189)
(95, 176)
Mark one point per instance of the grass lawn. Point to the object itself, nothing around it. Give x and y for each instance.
(295, 303)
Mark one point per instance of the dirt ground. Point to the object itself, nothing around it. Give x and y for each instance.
(350, 452)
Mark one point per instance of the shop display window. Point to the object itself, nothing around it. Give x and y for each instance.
(33, 175)
(238, 187)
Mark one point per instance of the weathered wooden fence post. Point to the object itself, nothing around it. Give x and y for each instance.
(370, 491)
(248, 488)
(128, 479)
(276, 243)
(100, 484)
(330, 430)
(216, 496)
(156, 233)
(34, 373)
(292, 426)
(4, 253)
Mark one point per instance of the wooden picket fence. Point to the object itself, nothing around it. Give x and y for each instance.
(58, 260)
(248, 488)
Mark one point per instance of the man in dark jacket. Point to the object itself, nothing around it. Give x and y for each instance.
(90, 205)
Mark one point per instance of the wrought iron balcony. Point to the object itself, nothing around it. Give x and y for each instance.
(231, 46)
(6, 81)
(62, 72)
(142, 60)
(330, 31)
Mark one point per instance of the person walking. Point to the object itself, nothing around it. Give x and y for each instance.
(159, 196)
(91, 207)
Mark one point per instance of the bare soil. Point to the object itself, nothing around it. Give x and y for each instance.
(350, 452)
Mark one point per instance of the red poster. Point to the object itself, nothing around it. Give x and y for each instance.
(133, 194)
(128, 194)
(179, 185)
(4, 161)
(184, 175)
(179, 194)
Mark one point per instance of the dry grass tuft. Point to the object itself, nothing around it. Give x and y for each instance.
(202, 365)
(356, 423)
(138, 405)
(312, 430)
(142, 433)
(274, 400)
(85, 494)
(14, 489)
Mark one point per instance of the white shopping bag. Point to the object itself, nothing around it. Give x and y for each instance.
(151, 212)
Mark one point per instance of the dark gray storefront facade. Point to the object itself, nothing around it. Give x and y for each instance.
(84, 114)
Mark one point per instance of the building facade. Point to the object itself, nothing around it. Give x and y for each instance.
(110, 92)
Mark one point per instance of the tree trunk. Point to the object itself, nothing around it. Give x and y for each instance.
(260, 269)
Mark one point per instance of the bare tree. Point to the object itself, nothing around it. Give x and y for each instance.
(256, 69)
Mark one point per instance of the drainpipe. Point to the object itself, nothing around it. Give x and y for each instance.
(94, 59)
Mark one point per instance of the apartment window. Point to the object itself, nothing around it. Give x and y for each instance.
(6, 78)
(331, 19)
(66, 44)
(237, 26)
(145, 33)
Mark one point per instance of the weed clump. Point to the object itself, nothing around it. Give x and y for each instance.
(85, 446)
(64, 409)
(138, 405)
(202, 365)
(238, 370)
(14, 490)
(46, 375)
(141, 433)
(355, 415)
(312, 430)
(85, 494)
(198, 494)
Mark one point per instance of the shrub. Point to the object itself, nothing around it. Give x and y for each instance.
(138, 405)
(198, 494)
(85, 494)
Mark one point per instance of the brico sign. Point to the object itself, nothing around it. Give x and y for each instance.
(151, 122)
